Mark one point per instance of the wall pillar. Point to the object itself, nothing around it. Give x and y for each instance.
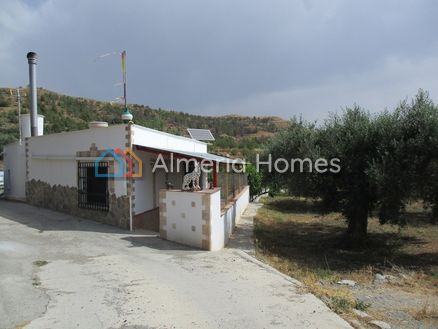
(215, 175)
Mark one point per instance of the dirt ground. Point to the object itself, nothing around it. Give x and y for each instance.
(395, 277)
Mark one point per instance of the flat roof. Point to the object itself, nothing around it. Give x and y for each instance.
(118, 125)
(169, 134)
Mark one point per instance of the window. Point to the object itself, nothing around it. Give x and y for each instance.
(92, 190)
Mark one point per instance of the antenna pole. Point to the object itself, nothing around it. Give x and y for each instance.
(124, 93)
(126, 115)
(124, 76)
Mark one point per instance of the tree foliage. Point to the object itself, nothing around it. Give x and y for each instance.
(255, 181)
(238, 135)
(385, 160)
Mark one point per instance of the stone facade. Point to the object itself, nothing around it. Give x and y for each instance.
(206, 222)
(65, 199)
(202, 208)
(163, 215)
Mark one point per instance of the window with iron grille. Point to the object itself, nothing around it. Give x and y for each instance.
(92, 190)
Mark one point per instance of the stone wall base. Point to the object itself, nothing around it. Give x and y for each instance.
(65, 199)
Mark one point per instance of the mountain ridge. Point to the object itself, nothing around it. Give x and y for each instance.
(235, 134)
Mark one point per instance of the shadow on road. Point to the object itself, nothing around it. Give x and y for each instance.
(43, 220)
(156, 243)
(48, 220)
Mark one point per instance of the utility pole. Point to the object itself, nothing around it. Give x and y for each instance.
(19, 113)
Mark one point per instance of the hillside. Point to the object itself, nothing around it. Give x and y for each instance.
(239, 135)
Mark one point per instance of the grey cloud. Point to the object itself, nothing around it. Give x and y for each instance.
(249, 57)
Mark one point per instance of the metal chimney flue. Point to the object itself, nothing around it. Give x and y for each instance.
(32, 60)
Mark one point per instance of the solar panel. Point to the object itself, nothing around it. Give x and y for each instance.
(200, 134)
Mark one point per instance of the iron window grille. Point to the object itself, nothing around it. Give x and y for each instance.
(93, 191)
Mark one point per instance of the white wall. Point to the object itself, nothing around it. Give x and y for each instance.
(146, 198)
(68, 143)
(181, 216)
(232, 216)
(143, 185)
(160, 140)
(15, 171)
(217, 232)
(200, 147)
(221, 225)
(241, 204)
(54, 171)
(53, 157)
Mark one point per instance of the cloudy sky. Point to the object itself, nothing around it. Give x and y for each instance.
(250, 57)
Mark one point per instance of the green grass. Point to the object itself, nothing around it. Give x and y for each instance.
(340, 304)
(361, 306)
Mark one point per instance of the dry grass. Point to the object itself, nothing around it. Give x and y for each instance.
(293, 237)
(425, 312)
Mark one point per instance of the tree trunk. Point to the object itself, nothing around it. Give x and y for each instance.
(357, 228)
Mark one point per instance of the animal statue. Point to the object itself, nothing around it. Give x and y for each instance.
(192, 177)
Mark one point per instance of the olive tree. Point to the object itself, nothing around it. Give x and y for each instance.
(386, 160)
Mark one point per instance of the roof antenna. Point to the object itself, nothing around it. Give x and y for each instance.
(126, 115)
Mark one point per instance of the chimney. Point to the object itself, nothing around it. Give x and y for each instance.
(32, 60)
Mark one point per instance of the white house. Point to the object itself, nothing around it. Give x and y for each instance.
(58, 171)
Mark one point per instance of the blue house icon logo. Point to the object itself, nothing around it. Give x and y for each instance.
(109, 153)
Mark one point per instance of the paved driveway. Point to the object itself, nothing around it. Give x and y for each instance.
(98, 276)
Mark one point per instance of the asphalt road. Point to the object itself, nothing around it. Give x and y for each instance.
(98, 276)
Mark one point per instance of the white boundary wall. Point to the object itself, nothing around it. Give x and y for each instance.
(231, 216)
(195, 218)
(184, 217)
(15, 171)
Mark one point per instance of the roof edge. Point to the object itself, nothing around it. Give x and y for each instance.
(169, 134)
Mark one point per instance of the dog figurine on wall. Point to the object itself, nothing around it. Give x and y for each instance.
(192, 177)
